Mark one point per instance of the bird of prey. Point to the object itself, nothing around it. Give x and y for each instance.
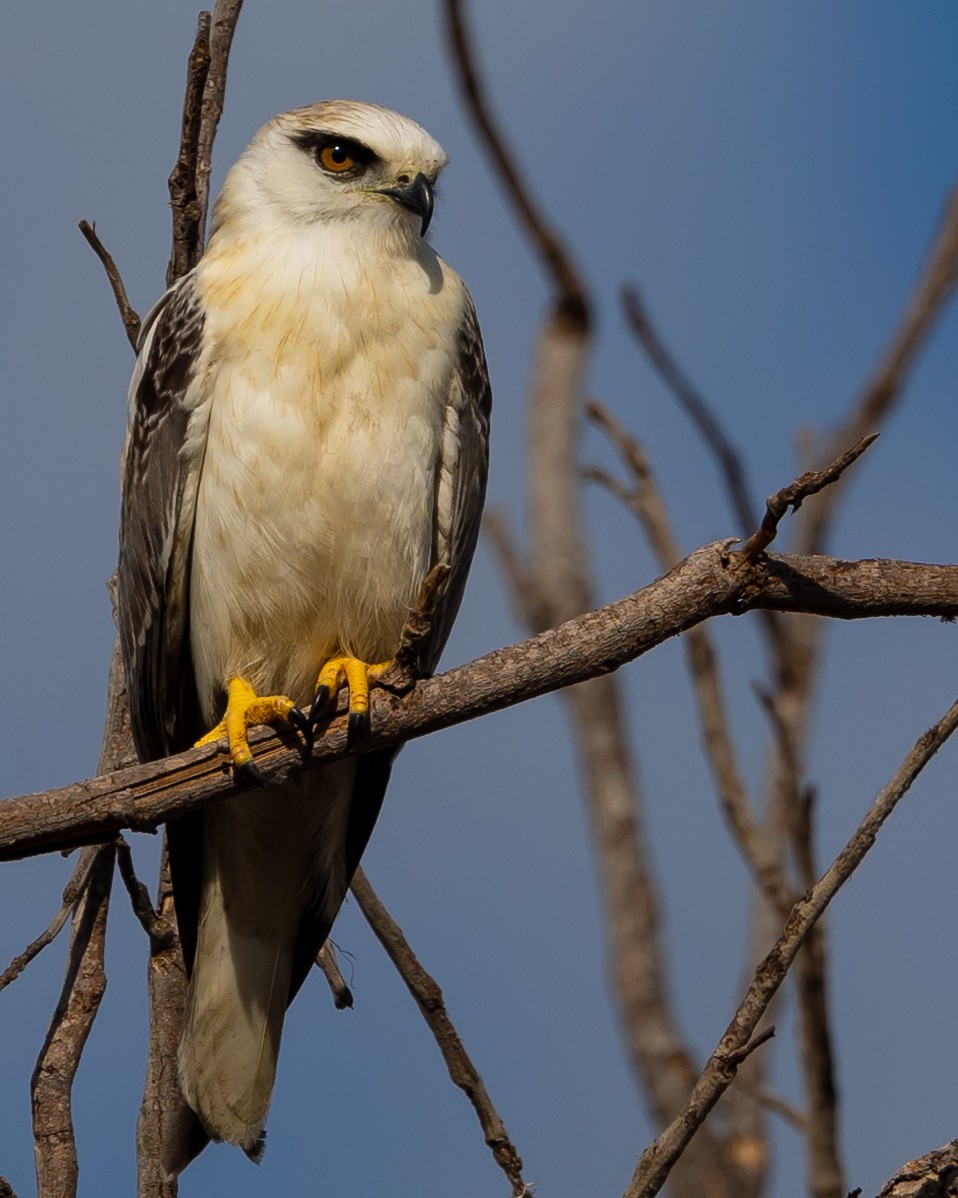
(306, 438)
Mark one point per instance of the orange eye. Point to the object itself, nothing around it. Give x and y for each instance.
(335, 157)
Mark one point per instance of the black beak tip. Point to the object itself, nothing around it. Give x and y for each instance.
(418, 196)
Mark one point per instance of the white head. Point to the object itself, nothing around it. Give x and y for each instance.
(338, 160)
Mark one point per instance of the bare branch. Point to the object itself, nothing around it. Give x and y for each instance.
(571, 301)
(711, 581)
(930, 1176)
(158, 930)
(131, 321)
(729, 460)
(428, 996)
(225, 15)
(658, 1159)
(162, 1104)
(71, 892)
(935, 286)
(418, 625)
(796, 493)
(326, 961)
(185, 206)
(52, 1083)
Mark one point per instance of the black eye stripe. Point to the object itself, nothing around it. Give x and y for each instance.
(314, 141)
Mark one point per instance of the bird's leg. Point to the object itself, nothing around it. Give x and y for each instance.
(356, 675)
(244, 709)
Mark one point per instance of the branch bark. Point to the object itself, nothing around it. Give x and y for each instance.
(428, 996)
(710, 582)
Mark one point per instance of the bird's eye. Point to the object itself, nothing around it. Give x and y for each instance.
(336, 156)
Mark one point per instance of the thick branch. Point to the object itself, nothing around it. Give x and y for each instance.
(223, 26)
(185, 206)
(711, 581)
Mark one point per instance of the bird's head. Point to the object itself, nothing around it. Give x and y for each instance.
(338, 161)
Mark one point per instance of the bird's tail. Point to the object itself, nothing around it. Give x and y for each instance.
(261, 852)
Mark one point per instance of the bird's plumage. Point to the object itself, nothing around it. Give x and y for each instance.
(306, 438)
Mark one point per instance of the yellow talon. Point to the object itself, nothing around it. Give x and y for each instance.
(245, 709)
(356, 675)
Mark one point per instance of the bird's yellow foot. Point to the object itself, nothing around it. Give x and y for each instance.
(244, 710)
(356, 675)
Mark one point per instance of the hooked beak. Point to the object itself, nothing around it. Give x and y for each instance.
(417, 196)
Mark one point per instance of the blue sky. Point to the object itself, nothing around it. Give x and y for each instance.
(770, 176)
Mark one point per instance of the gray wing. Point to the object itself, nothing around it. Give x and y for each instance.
(463, 468)
(159, 474)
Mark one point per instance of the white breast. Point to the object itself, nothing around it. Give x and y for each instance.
(325, 382)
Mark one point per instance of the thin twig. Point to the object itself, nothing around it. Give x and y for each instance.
(796, 493)
(936, 285)
(424, 989)
(71, 892)
(131, 320)
(326, 960)
(158, 930)
(418, 624)
(658, 1159)
(691, 400)
(646, 501)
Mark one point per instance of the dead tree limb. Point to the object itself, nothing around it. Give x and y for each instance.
(658, 1159)
(428, 996)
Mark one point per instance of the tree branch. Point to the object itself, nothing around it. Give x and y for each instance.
(131, 321)
(52, 1083)
(428, 996)
(186, 208)
(658, 1159)
(710, 582)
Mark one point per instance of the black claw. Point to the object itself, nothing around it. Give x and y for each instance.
(302, 724)
(358, 728)
(320, 699)
(250, 773)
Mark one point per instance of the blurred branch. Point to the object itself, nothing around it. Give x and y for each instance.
(554, 587)
(428, 996)
(52, 1083)
(131, 321)
(936, 284)
(692, 402)
(658, 1159)
(571, 299)
(710, 582)
(646, 501)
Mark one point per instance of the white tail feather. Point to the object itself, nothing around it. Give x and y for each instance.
(262, 853)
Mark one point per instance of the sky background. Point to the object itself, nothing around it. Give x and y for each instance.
(770, 175)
